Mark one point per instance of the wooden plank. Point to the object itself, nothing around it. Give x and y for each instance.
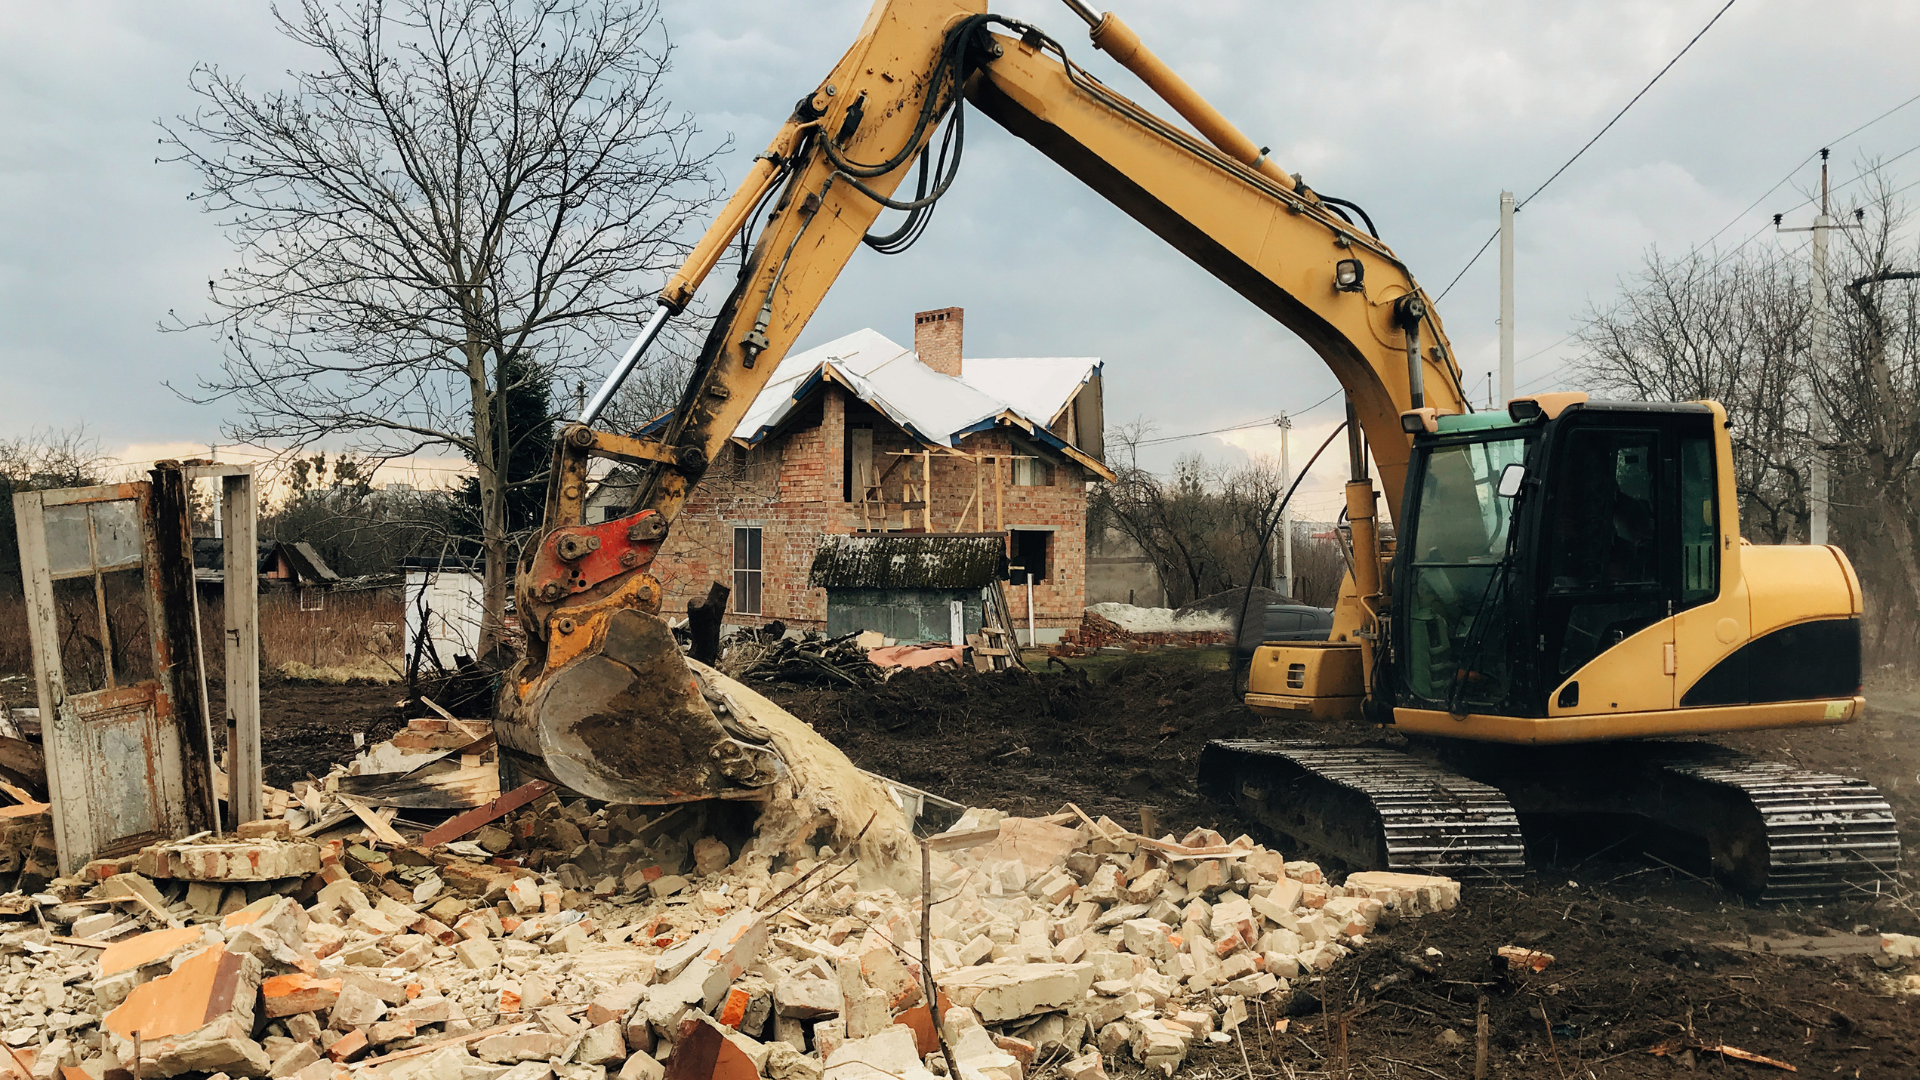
(452, 789)
(435, 706)
(382, 831)
(326, 823)
(999, 500)
(1181, 851)
(66, 780)
(20, 795)
(1089, 822)
(960, 841)
(84, 943)
(240, 529)
(460, 826)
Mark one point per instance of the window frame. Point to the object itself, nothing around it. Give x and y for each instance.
(749, 582)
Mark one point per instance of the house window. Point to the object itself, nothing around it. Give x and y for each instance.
(859, 463)
(1031, 472)
(746, 570)
(1029, 556)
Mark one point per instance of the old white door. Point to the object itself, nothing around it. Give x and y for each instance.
(114, 772)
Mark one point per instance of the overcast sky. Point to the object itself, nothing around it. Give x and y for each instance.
(1420, 112)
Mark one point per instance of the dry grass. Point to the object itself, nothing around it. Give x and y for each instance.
(355, 636)
(352, 637)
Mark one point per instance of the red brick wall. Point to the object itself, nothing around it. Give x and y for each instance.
(936, 339)
(793, 488)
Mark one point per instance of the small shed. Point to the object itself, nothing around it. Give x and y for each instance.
(446, 602)
(908, 585)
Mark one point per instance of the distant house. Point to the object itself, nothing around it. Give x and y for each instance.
(279, 565)
(865, 436)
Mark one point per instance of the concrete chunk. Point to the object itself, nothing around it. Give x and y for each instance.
(1001, 992)
(806, 999)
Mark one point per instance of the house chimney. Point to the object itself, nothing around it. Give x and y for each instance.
(936, 339)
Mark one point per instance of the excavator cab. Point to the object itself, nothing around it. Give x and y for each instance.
(1535, 545)
(1572, 571)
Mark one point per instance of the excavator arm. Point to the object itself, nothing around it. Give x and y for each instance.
(602, 693)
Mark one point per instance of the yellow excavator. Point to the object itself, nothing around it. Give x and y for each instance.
(1565, 583)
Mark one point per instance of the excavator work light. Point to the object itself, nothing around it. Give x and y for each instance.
(1348, 274)
(1524, 410)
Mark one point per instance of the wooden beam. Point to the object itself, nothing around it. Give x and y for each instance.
(178, 637)
(455, 828)
(382, 831)
(241, 584)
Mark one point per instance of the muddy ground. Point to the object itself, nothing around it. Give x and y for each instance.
(1644, 952)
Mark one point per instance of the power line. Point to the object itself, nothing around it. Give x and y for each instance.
(1262, 422)
(1730, 253)
(1589, 144)
(1801, 165)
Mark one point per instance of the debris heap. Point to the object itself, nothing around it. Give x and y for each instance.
(575, 941)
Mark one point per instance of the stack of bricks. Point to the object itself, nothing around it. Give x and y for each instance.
(1096, 632)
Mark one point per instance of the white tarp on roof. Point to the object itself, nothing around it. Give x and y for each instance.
(1037, 387)
(935, 407)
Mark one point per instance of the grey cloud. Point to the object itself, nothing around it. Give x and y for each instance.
(1420, 112)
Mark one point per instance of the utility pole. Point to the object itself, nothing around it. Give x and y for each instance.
(1506, 296)
(1284, 562)
(1818, 482)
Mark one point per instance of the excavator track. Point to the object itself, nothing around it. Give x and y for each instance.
(1370, 807)
(1794, 834)
(1773, 832)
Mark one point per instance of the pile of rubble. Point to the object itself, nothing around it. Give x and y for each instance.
(572, 940)
(1096, 631)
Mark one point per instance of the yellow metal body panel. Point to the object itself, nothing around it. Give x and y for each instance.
(1637, 685)
(1640, 725)
(1317, 680)
(1321, 709)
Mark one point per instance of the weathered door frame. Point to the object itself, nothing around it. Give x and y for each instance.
(179, 763)
(241, 634)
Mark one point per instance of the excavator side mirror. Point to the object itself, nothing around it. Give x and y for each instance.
(1511, 478)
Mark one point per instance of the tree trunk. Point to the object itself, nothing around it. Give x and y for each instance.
(703, 622)
(493, 500)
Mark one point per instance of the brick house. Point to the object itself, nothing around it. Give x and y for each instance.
(862, 435)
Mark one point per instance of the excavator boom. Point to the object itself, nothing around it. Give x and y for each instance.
(601, 662)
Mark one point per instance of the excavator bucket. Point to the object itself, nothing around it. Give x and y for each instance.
(628, 722)
(602, 701)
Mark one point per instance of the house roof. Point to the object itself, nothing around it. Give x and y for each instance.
(1038, 387)
(909, 561)
(307, 563)
(934, 408)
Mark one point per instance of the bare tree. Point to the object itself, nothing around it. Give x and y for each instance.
(36, 462)
(1876, 442)
(458, 194)
(1734, 330)
(1202, 525)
